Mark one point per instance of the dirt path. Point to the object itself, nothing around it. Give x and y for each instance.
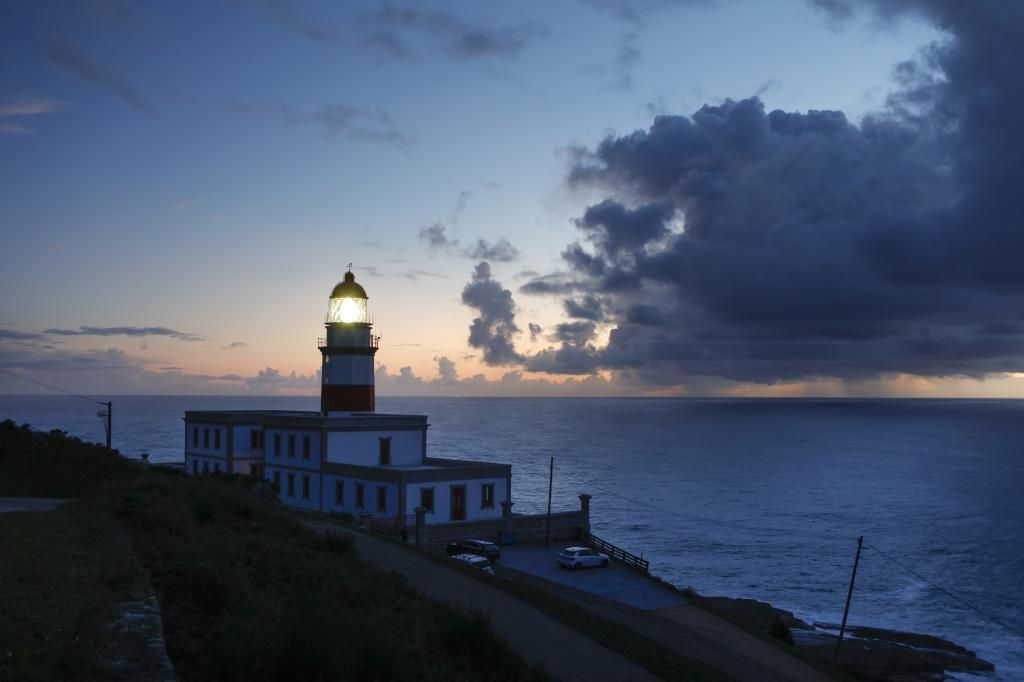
(564, 652)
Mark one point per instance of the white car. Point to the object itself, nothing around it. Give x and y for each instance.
(581, 557)
(476, 561)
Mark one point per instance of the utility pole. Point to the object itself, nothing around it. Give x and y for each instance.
(547, 523)
(849, 595)
(110, 417)
(106, 413)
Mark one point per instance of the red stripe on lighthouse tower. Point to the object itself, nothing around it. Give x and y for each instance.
(347, 398)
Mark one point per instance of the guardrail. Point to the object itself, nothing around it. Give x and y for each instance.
(392, 525)
(631, 560)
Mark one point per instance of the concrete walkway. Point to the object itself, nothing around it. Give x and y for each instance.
(16, 504)
(136, 647)
(564, 652)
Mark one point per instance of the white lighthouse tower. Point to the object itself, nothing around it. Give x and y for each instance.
(348, 350)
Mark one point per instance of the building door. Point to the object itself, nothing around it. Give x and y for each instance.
(458, 503)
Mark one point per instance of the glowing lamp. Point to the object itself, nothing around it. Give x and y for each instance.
(348, 303)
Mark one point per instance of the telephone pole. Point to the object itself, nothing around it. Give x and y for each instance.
(110, 411)
(849, 595)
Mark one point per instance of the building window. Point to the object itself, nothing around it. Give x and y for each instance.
(291, 445)
(305, 447)
(206, 467)
(195, 467)
(359, 496)
(277, 445)
(291, 485)
(216, 467)
(487, 496)
(305, 487)
(216, 439)
(385, 452)
(254, 439)
(277, 481)
(382, 499)
(195, 436)
(339, 492)
(206, 438)
(427, 499)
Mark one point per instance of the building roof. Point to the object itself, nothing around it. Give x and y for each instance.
(348, 421)
(347, 288)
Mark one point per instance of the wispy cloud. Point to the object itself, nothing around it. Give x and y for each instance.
(436, 239)
(127, 331)
(236, 344)
(287, 17)
(459, 39)
(63, 54)
(367, 124)
(23, 107)
(416, 274)
(14, 335)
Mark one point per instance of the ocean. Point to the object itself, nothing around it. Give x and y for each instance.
(745, 498)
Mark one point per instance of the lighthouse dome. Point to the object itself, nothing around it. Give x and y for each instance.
(347, 288)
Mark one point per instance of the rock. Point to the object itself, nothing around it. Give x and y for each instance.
(870, 653)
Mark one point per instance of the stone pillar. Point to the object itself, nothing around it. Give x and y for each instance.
(421, 520)
(506, 514)
(585, 508)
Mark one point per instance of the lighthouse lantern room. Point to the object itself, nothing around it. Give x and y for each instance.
(347, 350)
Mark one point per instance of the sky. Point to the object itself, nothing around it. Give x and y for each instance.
(580, 198)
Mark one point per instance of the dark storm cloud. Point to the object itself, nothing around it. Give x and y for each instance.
(587, 308)
(68, 58)
(126, 331)
(458, 38)
(763, 246)
(493, 331)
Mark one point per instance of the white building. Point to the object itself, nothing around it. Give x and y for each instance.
(347, 457)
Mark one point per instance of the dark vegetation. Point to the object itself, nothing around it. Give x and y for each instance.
(247, 592)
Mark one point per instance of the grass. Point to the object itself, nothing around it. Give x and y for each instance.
(247, 592)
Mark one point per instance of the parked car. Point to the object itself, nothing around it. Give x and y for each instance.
(581, 557)
(476, 561)
(480, 547)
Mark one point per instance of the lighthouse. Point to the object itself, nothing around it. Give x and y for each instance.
(347, 350)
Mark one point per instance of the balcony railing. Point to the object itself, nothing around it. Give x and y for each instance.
(321, 343)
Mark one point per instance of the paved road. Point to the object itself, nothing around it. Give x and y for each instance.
(625, 596)
(564, 652)
(615, 582)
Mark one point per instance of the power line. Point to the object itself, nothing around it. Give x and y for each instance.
(50, 386)
(948, 593)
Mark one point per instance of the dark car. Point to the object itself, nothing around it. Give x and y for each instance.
(479, 547)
